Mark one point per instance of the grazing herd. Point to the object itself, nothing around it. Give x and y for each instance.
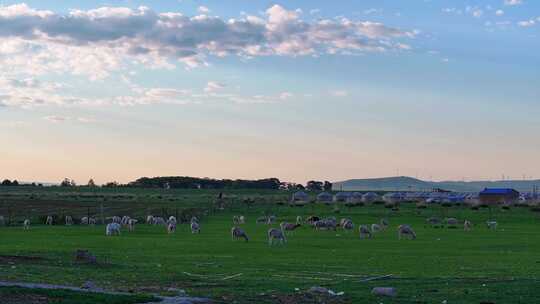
(274, 235)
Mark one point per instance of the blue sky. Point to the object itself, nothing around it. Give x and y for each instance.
(115, 90)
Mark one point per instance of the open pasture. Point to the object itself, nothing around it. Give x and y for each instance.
(481, 265)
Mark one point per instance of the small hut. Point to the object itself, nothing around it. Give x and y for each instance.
(355, 199)
(341, 197)
(494, 196)
(392, 198)
(370, 197)
(299, 196)
(324, 197)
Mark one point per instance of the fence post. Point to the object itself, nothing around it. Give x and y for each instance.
(102, 217)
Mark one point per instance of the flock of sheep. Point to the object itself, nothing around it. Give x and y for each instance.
(275, 235)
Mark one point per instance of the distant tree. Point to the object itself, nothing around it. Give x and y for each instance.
(68, 183)
(300, 187)
(91, 183)
(314, 186)
(14, 183)
(6, 182)
(111, 185)
(327, 186)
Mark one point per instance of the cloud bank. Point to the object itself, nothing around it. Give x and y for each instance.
(94, 42)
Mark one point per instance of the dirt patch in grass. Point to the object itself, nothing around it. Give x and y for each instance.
(24, 299)
(20, 259)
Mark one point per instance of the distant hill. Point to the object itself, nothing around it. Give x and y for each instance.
(404, 183)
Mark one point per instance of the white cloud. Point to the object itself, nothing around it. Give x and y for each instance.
(314, 11)
(527, 23)
(499, 12)
(203, 10)
(56, 119)
(213, 86)
(340, 93)
(96, 42)
(513, 2)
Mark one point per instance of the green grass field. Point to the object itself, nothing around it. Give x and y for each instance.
(479, 266)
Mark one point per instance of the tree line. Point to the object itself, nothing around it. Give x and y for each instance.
(187, 182)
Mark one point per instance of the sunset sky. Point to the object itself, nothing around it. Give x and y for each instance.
(299, 90)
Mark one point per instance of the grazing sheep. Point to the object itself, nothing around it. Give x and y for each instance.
(69, 220)
(364, 232)
(113, 229)
(467, 225)
(261, 220)
(49, 220)
(172, 219)
(434, 222)
(451, 222)
(84, 220)
(238, 233)
(131, 224)
(117, 219)
(171, 227)
(271, 219)
(343, 221)
(384, 223)
(236, 220)
(26, 224)
(312, 220)
(125, 220)
(92, 221)
(348, 226)
(150, 220)
(288, 227)
(242, 219)
(276, 235)
(159, 221)
(376, 228)
(194, 219)
(492, 225)
(2, 220)
(195, 227)
(299, 220)
(406, 230)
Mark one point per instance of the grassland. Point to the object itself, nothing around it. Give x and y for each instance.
(450, 265)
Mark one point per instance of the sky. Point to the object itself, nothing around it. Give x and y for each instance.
(299, 90)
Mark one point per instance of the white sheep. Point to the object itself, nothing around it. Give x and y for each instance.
(384, 223)
(171, 227)
(92, 221)
(131, 224)
(194, 219)
(406, 230)
(150, 220)
(364, 232)
(125, 220)
(69, 220)
(113, 229)
(242, 219)
(288, 227)
(299, 220)
(376, 228)
(276, 235)
(26, 224)
(49, 220)
(159, 221)
(236, 220)
(117, 219)
(238, 233)
(467, 225)
(348, 225)
(195, 227)
(271, 219)
(172, 219)
(261, 220)
(492, 225)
